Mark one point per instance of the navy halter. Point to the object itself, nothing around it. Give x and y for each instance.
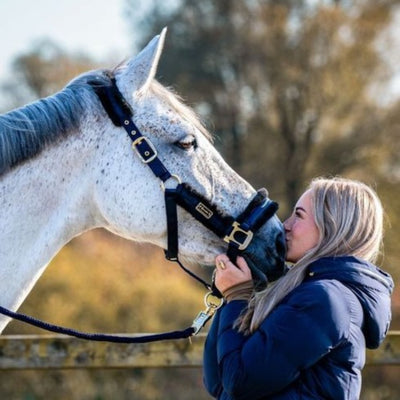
(237, 232)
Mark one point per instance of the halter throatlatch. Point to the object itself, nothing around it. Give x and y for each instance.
(237, 232)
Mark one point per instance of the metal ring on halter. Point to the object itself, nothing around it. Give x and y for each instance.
(173, 176)
(212, 301)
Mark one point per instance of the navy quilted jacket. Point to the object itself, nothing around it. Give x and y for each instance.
(312, 346)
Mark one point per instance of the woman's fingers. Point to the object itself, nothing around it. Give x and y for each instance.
(229, 274)
(222, 261)
(242, 265)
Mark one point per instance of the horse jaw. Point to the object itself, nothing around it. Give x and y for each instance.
(141, 70)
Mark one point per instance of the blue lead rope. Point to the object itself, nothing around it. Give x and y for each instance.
(198, 323)
(99, 337)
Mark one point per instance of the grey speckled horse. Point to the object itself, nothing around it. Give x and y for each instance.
(65, 169)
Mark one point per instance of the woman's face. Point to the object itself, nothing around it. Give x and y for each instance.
(301, 231)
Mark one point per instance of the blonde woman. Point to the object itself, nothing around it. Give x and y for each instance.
(304, 337)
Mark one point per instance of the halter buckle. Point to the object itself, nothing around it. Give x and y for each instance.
(240, 241)
(145, 149)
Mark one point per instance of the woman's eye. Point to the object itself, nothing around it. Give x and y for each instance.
(187, 143)
(297, 214)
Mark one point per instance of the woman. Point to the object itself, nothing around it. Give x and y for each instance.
(304, 337)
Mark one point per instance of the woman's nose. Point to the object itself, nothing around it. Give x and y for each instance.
(286, 225)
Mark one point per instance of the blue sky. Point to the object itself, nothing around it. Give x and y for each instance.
(94, 27)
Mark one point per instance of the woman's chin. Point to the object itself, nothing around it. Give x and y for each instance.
(290, 259)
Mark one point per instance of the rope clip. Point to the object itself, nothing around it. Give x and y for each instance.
(212, 303)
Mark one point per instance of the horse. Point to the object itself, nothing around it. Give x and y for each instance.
(65, 168)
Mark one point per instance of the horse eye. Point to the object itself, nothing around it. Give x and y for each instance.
(187, 143)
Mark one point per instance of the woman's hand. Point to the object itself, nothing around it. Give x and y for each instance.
(228, 274)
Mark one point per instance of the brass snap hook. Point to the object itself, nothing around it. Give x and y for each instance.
(212, 301)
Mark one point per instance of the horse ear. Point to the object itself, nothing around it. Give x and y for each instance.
(141, 70)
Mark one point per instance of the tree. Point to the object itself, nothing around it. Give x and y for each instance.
(285, 82)
(42, 71)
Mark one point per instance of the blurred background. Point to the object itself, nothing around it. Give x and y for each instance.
(290, 89)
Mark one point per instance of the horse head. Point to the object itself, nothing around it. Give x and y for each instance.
(128, 197)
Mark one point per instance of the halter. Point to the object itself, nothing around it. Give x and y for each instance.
(237, 232)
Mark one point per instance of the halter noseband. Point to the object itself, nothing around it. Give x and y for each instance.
(237, 232)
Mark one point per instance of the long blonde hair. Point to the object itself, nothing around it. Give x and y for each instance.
(349, 218)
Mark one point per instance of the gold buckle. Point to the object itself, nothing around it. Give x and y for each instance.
(237, 229)
(137, 142)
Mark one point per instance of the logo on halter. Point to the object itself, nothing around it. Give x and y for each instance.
(204, 210)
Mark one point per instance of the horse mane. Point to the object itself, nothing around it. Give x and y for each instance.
(28, 130)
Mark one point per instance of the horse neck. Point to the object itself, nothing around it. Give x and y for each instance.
(44, 203)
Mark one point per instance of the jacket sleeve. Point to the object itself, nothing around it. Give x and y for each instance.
(212, 376)
(293, 337)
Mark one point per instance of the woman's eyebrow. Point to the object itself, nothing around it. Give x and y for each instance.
(300, 209)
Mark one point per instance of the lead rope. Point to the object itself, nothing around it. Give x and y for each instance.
(99, 337)
(211, 301)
